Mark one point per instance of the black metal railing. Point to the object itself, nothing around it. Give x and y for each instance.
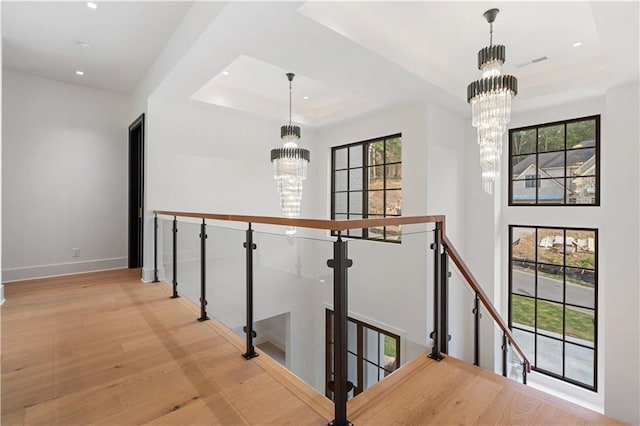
(443, 252)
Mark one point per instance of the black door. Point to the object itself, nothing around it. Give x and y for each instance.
(136, 187)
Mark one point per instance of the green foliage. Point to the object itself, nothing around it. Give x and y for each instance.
(578, 324)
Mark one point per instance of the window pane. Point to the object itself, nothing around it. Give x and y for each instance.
(581, 162)
(523, 142)
(521, 193)
(376, 202)
(340, 158)
(549, 316)
(523, 280)
(581, 134)
(579, 364)
(355, 232)
(340, 204)
(550, 283)
(551, 248)
(371, 345)
(394, 202)
(393, 233)
(355, 202)
(340, 217)
(523, 165)
(375, 152)
(370, 374)
(551, 164)
(375, 177)
(526, 342)
(581, 190)
(355, 179)
(581, 287)
(523, 243)
(340, 180)
(355, 156)
(394, 176)
(522, 312)
(377, 232)
(580, 326)
(549, 354)
(584, 247)
(551, 138)
(393, 151)
(551, 191)
(352, 336)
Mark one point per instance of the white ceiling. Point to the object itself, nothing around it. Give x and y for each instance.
(41, 38)
(349, 57)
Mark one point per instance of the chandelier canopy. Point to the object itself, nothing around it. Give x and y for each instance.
(490, 99)
(290, 166)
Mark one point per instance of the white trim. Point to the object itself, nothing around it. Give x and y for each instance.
(10, 275)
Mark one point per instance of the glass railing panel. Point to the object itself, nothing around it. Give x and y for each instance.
(461, 316)
(165, 226)
(226, 276)
(390, 303)
(188, 260)
(292, 292)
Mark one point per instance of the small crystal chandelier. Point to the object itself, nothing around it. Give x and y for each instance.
(290, 167)
(490, 99)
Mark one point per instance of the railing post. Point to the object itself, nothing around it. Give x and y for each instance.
(203, 270)
(524, 373)
(504, 354)
(248, 329)
(437, 335)
(174, 260)
(341, 385)
(155, 248)
(444, 300)
(476, 330)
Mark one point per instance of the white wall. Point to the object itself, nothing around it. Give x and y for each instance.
(64, 177)
(1, 149)
(617, 221)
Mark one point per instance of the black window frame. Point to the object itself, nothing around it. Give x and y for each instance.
(361, 359)
(564, 179)
(365, 234)
(563, 304)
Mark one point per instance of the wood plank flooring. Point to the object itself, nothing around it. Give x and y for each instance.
(103, 348)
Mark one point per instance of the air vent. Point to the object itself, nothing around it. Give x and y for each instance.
(533, 61)
(540, 59)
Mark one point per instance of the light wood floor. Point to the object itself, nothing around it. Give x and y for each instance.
(102, 348)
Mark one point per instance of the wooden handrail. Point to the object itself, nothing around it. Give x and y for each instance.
(464, 270)
(330, 225)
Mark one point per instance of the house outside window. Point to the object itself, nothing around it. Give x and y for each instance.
(564, 159)
(366, 182)
(553, 295)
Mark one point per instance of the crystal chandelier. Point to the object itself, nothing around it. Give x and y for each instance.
(490, 99)
(290, 167)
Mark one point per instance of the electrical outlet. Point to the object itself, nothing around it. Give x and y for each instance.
(76, 252)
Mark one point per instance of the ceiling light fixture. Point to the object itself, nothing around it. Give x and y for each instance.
(577, 44)
(290, 167)
(490, 99)
(225, 72)
(305, 98)
(92, 5)
(78, 72)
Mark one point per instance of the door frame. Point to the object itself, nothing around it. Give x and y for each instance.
(136, 192)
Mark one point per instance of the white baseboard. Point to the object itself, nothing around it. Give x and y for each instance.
(58, 269)
(147, 274)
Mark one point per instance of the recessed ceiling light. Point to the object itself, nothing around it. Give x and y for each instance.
(92, 5)
(225, 72)
(577, 43)
(78, 72)
(306, 97)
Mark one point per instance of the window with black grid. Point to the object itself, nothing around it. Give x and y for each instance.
(553, 303)
(366, 182)
(555, 163)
